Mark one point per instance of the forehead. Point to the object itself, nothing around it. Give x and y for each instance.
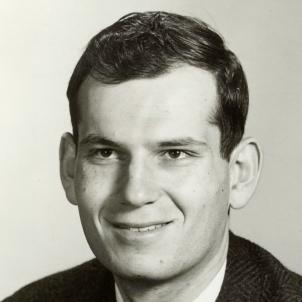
(174, 103)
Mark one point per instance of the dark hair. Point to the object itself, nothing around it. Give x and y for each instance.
(146, 45)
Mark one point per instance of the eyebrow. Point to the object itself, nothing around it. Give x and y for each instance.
(179, 142)
(95, 139)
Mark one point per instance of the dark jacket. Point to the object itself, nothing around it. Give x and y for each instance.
(252, 274)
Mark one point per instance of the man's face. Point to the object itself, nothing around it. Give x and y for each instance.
(150, 184)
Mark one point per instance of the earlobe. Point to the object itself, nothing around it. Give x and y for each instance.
(67, 166)
(245, 167)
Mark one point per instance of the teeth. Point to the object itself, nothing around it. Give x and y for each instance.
(147, 229)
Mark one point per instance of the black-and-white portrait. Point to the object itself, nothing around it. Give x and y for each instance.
(151, 151)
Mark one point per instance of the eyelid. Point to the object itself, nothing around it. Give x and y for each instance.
(185, 153)
(93, 153)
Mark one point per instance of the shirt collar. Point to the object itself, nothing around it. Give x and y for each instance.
(211, 292)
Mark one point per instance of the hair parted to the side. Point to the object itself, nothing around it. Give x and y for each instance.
(146, 45)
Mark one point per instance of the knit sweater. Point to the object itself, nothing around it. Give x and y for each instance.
(252, 275)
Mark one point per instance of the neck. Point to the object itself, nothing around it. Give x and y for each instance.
(184, 287)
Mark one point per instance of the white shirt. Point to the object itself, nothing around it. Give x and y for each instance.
(209, 294)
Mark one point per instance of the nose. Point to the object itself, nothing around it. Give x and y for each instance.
(140, 185)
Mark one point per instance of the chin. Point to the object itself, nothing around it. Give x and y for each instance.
(138, 267)
(147, 274)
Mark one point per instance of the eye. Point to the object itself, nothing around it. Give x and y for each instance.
(104, 153)
(175, 154)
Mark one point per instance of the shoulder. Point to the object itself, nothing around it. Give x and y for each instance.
(89, 281)
(254, 272)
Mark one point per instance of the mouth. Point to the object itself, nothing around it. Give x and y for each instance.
(141, 228)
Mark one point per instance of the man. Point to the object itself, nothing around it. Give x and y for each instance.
(157, 157)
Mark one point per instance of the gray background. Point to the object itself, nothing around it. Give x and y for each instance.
(40, 43)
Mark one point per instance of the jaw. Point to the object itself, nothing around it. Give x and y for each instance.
(178, 288)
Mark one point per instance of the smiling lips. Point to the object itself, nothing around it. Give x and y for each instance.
(141, 228)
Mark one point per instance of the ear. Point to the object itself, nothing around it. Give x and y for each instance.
(67, 166)
(245, 167)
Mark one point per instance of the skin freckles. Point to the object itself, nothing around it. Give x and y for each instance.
(148, 158)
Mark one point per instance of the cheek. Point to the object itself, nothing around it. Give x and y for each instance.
(199, 192)
(94, 185)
